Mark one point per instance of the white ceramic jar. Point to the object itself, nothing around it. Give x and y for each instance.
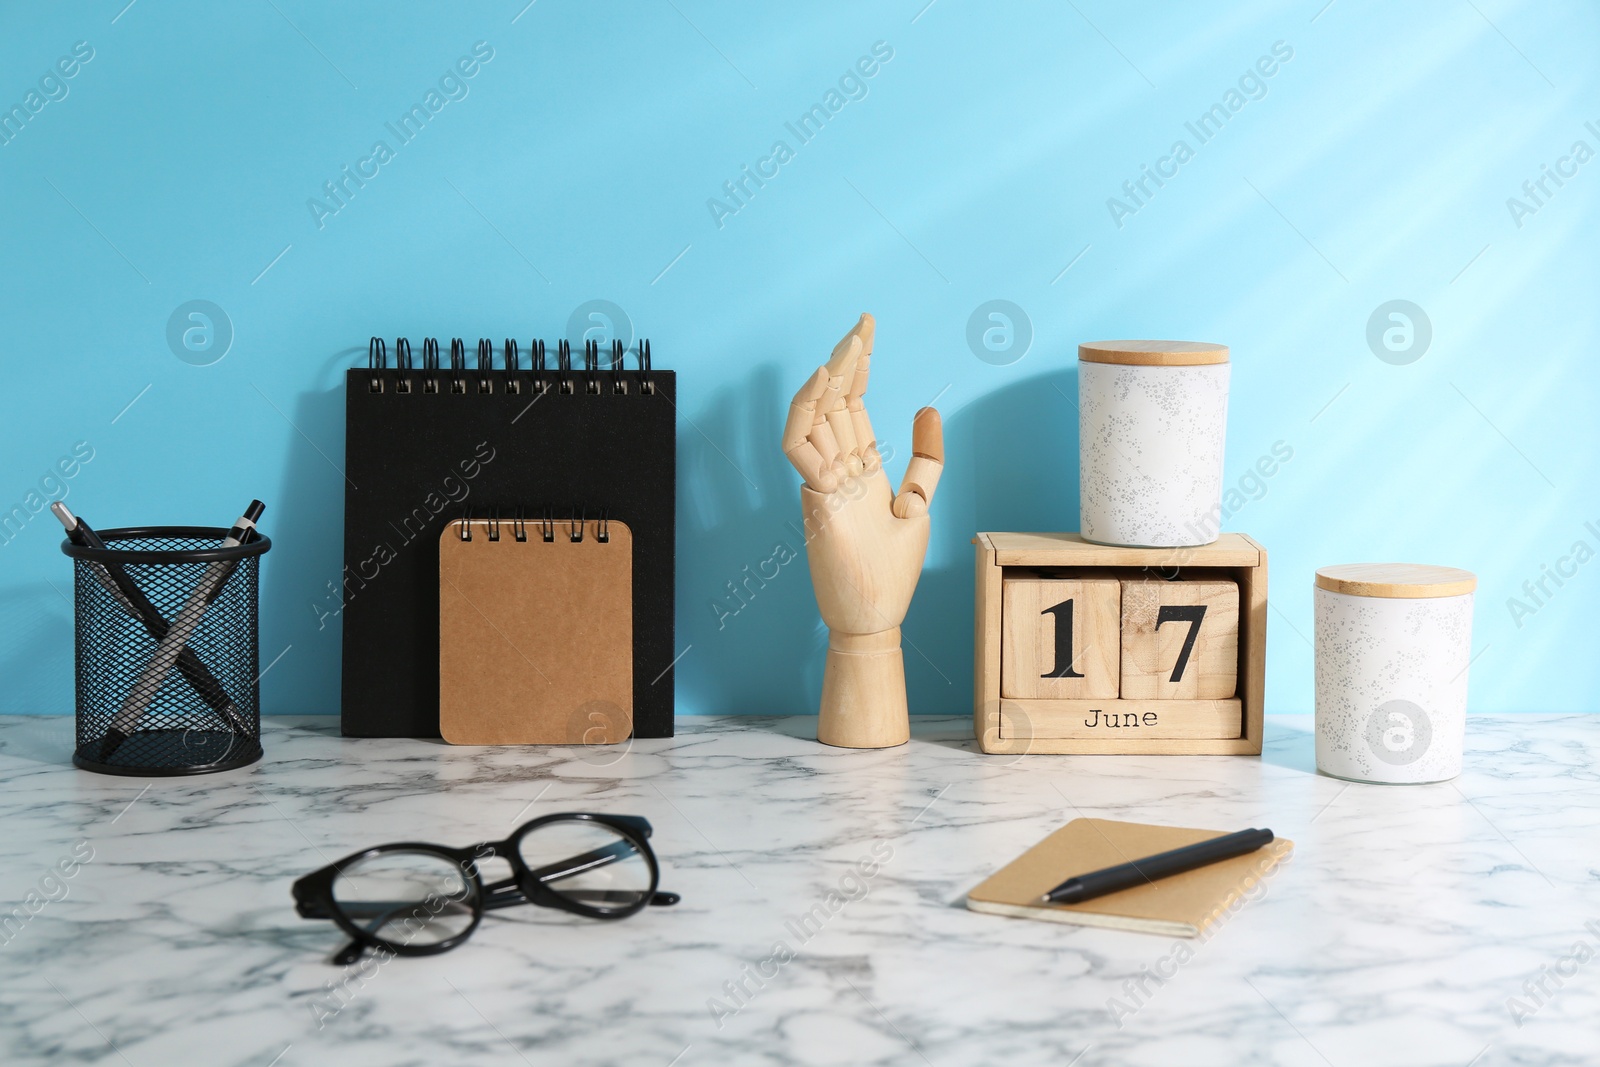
(1153, 418)
(1393, 644)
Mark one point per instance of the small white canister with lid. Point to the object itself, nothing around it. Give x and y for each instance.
(1153, 419)
(1394, 641)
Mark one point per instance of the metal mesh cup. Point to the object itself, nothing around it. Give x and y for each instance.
(168, 677)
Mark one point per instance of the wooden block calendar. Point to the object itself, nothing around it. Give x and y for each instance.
(1180, 670)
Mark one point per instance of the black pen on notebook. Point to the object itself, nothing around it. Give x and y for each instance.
(1083, 887)
(173, 644)
(120, 584)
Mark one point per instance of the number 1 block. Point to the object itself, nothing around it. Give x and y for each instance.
(1180, 640)
(1059, 637)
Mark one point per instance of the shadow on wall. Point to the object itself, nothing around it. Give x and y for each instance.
(306, 523)
(1011, 463)
(744, 589)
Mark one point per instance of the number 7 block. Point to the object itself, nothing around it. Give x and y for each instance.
(1180, 640)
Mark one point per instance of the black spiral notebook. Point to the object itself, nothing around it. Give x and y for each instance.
(516, 437)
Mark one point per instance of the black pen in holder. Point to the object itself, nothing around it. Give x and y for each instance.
(168, 678)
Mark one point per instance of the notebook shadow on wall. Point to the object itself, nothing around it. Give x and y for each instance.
(744, 591)
(1011, 463)
(299, 611)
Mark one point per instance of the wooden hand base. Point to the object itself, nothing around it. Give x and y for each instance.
(864, 692)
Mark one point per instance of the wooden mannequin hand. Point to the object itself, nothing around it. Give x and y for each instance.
(865, 544)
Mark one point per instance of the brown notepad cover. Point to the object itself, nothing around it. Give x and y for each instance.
(1180, 906)
(535, 636)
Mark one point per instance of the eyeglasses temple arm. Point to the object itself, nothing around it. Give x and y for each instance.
(577, 864)
(511, 896)
(506, 894)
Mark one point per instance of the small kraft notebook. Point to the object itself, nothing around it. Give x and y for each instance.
(1180, 906)
(535, 631)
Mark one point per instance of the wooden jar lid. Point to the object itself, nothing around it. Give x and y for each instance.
(1153, 353)
(1396, 581)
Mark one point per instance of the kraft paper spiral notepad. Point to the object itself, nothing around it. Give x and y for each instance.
(535, 631)
(425, 442)
(1180, 906)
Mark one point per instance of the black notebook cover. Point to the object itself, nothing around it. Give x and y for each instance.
(427, 445)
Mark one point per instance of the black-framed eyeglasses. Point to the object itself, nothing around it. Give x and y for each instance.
(416, 899)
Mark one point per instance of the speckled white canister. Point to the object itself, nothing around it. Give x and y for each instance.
(1153, 419)
(1393, 644)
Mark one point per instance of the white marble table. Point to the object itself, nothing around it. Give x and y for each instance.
(1407, 919)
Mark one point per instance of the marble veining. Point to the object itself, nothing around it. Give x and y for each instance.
(822, 918)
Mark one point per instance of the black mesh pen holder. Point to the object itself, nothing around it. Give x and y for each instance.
(167, 658)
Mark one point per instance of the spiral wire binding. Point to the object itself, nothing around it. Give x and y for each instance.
(402, 362)
(458, 365)
(518, 521)
(618, 383)
(491, 524)
(485, 365)
(647, 386)
(564, 366)
(592, 371)
(591, 363)
(513, 358)
(377, 359)
(430, 364)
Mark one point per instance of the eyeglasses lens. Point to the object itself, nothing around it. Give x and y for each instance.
(588, 863)
(407, 898)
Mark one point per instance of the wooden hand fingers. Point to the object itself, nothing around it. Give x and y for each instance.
(841, 368)
(828, 436)
(800, 442)
(855, 397)
(927, 464)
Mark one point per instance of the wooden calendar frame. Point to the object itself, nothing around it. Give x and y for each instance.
(1005, 725)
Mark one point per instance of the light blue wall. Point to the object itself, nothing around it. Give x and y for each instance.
(579, 164)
